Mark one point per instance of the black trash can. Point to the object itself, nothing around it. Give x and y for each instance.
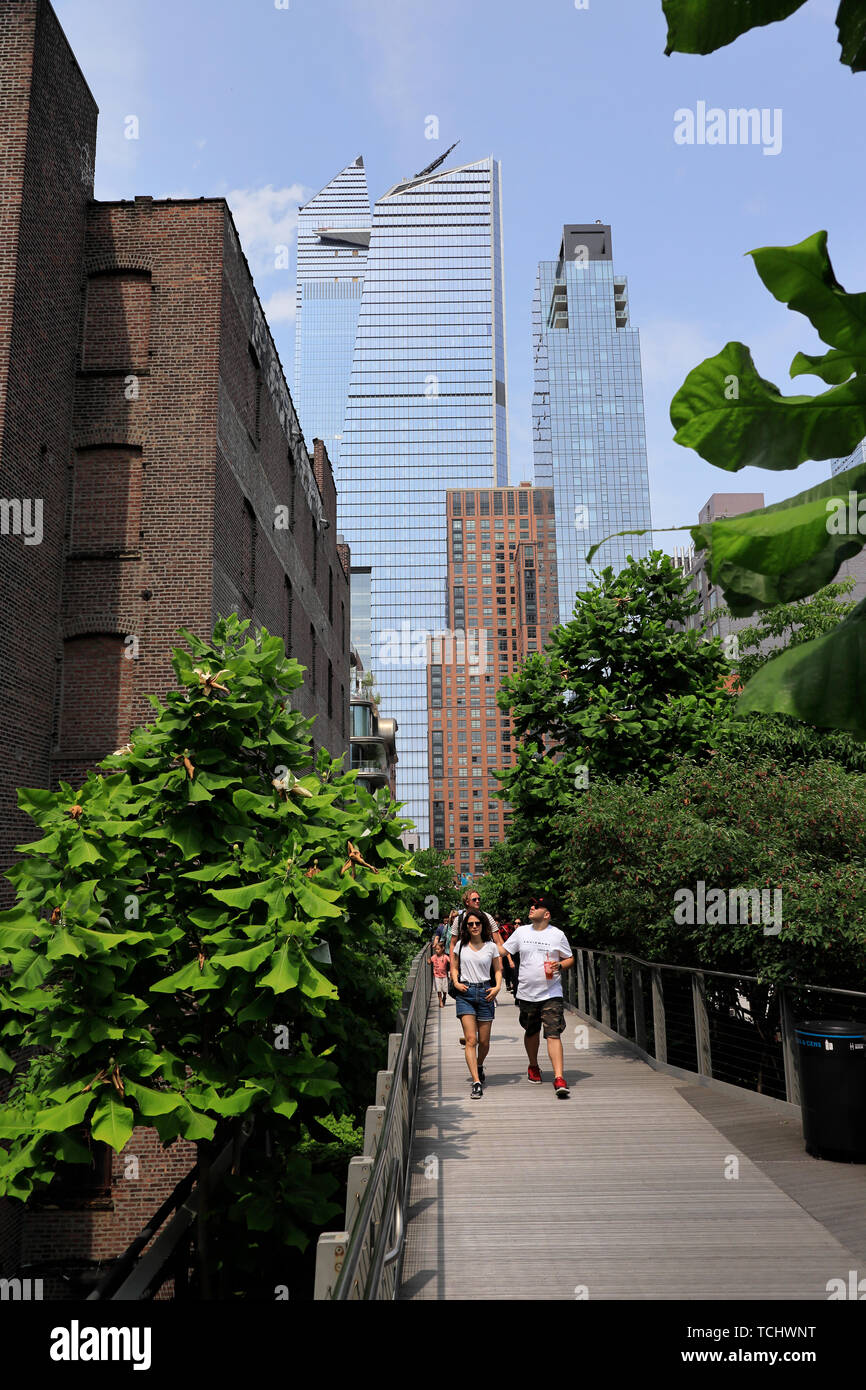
(832, 1060)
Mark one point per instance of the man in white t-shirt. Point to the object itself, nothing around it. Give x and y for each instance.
(544, 953)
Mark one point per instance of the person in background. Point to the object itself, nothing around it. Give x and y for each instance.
(544, 953)
(474, 956)
(508, 967)
(439, 962)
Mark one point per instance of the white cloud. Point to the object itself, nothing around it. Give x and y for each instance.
(280, 308)
(266, 218)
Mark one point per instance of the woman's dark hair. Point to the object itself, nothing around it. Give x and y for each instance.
(486, 933)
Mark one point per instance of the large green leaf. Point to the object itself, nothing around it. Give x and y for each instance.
(59, 1117)
(317, 902)
(784, 551)
(112, 1122)
(242, 897)
(851, 23)
(702, 26)
(802, 277)
(248, 960)
(284, 973)
(735, 419)
(821, 682)
(151, 1102)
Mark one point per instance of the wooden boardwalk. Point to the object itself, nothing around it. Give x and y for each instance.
(618, 1193)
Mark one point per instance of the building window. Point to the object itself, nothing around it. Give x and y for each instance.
(312, 658)
(288, 614)
(248, 557)
(256, 404)
(330, 690)
(438, 767)
(291, 463)
(330, 596)
(435, 687)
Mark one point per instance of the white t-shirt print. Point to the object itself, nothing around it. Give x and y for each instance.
(534, 948)
(473, 967)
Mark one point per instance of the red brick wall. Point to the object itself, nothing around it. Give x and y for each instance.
(143, 1175)
(106, 503)
(117, 320)
(47, 138)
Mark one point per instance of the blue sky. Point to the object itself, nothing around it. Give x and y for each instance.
(264, 105)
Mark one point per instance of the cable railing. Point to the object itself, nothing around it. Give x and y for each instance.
(728, 1029)
(363, 1261)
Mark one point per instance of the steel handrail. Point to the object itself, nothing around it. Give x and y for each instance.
(383, 1256)
(363, 1219)
(720, 974)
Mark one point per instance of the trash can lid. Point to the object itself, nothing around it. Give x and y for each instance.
(832, 1028)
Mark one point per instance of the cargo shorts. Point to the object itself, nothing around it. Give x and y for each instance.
(547, 1012)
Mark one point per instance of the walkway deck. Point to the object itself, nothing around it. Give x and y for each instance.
(619, 1192)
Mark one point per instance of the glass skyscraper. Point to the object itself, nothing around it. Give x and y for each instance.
(426, 411)
(588, 420)
(333, 239)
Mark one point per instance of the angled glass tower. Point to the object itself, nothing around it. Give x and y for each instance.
(589, 441)
(426, 412)
(333, 239)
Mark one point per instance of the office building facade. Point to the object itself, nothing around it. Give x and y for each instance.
(589, 439)
(502, 597)
(333, 242)
(426, 411)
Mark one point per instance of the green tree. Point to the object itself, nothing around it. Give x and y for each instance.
(730, 825)
(197, 940)
(623, 689)
(789, 624)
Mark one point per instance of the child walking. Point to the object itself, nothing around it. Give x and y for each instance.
(439, 961)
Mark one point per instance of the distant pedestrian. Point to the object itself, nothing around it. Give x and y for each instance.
(544, 953)
(439, 962)
(472, 959)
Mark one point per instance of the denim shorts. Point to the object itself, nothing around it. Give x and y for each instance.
(474, 1002)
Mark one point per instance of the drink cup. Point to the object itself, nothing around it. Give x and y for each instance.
(550, 968)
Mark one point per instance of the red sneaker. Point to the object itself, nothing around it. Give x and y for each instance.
(560, 1088)
(533, 1074)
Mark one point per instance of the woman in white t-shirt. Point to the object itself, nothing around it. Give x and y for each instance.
(472, 956)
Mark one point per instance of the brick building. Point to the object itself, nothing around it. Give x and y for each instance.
(502, 594)
(153, 475)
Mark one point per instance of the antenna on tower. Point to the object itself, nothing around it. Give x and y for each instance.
(437, 162)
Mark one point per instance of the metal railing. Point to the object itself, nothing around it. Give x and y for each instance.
(729, 1030)
(363, 1261)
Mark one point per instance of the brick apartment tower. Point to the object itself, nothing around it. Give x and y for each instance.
(501, 581)
(143, 401)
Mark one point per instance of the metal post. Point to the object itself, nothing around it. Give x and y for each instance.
(619, 990)
(605, 992)
(356, 1184)
(580, 968)
(789, 1055)
(592, 989)
(702, 1023)
(330, 1250)
(637, 996)
(661, 1037)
